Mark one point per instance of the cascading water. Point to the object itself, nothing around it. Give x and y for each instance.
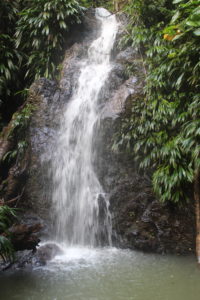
(76, 188)
(87, 272)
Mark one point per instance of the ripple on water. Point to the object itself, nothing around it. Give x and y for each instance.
(106, 274)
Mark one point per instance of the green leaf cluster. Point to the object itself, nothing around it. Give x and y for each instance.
(32, 39)
(40, 33)
(17, 133)
(10, 58)
(6, 248)
(97, 3)
(164, 130)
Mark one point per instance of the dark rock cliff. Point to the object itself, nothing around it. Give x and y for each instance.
(140, 221)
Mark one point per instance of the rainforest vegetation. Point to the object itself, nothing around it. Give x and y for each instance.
(163, 130)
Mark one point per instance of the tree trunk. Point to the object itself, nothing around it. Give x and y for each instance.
(197, 210)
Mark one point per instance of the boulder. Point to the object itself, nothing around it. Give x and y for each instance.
(24, 237)
(46, 253)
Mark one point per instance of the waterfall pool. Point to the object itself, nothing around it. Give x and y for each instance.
(105, 274)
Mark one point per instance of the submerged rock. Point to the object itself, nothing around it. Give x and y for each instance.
(46, 253)
(27, 259)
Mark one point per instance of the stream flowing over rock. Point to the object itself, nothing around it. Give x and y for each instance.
(139, 220)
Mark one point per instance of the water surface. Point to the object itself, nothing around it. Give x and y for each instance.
(106, 274)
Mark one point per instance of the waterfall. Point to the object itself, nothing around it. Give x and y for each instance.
(77, 192)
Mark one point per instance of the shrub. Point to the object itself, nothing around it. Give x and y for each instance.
(6, 248)
(40, 34)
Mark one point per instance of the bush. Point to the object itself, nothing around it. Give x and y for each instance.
(6, 248)
(32, 39)
(164, 130)
(40, 34)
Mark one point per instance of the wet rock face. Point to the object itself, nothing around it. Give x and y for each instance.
(26, 183)
(45, 96)
(139, 220)
(12, 173)
(49, 98)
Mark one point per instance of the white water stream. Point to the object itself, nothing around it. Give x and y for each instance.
(76, 189)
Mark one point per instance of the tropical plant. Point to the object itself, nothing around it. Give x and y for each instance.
(17, 133)
(164, 130)
(8, 55)
(32, 39)
(41, 32)
(97, 3)
(6, 247)
(21, 119)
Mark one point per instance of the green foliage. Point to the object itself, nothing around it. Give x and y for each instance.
(10, 58)
(10, 61)
(19, 124)
(164, 130)
(40, 33)
(21, 119)
(6, 248)
(16, 153)
(32, 39)
(97, 3)
(146, 19)
(5, 217)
